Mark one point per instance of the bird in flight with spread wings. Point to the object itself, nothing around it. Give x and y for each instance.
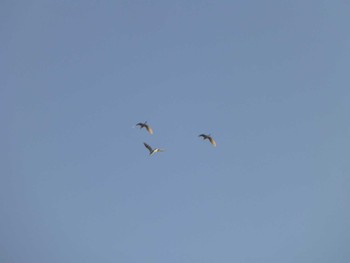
(151, 150)
(146, 126)
(211, 140)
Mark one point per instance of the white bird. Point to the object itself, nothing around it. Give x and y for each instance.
(152, 151)
(209, 138)
(146, 126)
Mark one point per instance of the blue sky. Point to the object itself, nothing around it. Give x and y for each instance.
(268, 79)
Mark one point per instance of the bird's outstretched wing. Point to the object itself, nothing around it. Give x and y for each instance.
(212, 141)
(148, 147)
(149, 129)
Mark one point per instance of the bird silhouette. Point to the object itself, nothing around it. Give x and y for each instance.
(146, 126)
(152, 151)
(204, 136)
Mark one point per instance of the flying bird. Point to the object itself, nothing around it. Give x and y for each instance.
(152, 151)
(146, 126)
(204, 136)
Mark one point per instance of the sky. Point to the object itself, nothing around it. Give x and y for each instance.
(269, 80)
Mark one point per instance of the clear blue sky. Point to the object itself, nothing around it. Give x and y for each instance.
(268, 79)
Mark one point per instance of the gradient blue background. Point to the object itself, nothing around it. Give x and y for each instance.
(269, 80)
